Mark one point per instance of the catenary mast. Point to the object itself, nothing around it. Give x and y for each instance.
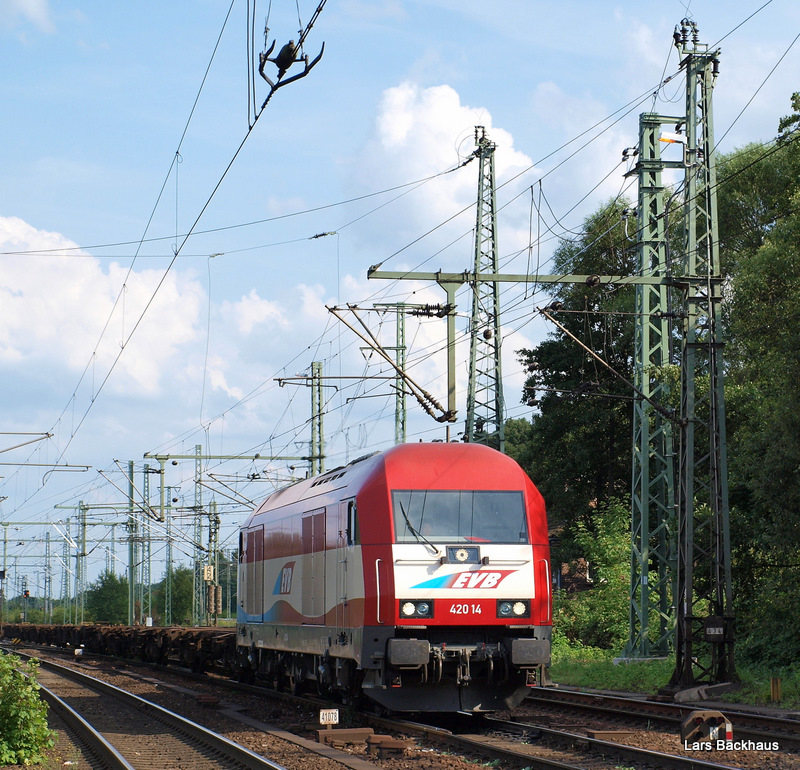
(485, 386)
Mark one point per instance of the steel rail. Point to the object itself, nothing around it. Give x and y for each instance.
(621, 751)
(93, 741)
(488, 746)
(242, 756)
(746, 724)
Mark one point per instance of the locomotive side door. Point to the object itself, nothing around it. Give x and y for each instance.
(347, 537)
(252, 592)
(314, 566)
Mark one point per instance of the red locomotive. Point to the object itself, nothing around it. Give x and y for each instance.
(419, 576)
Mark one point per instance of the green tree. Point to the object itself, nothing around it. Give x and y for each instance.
(519, 440)
(182, 596)
(578, 448)
(599, 617)
(107, 598)
(765, 463)
(228, 566)
(760, 202)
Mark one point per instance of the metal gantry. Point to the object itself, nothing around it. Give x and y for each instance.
(203, 555)
(146, 544)
(400, 350)
(653, 517)
(485, 418)
(133, 551)
(317, 445)
(680, 528)
(199, 584)
(80, 565)
(48, 581)
(400, 421)
(704, 633)
(317, 448)
(166, 513)
(65, 592)
(484, 409)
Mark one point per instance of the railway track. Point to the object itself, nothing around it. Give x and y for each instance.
(516, 744)
(746, 725)
(122, 730)
(77, 742)
(509, 744)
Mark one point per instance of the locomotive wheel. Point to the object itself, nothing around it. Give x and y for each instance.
(295, 684)
(290, 678)
(292, 682)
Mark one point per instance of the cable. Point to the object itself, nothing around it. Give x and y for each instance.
(313, 210)
(755, 93)
(742, 23)
(172, 262)
(558, 221)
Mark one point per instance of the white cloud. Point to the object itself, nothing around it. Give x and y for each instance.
(645, 46)
(419, 132)
(429, 129)
(218, 381)
(67, 310)
(312, 304)
(37, 12)
(252, 310)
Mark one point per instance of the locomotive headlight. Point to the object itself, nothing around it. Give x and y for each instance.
(513, 608)
(416, 609)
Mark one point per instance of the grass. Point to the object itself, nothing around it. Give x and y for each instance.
(756, 688)
(594, 668)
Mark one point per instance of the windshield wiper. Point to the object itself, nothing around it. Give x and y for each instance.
(420, 537)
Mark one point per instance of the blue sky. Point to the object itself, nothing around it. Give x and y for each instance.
(118, 349)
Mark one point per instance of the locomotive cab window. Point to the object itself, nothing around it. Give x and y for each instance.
(459, 517)
(353, 537)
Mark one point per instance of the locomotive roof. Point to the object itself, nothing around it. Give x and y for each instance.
(416, 464)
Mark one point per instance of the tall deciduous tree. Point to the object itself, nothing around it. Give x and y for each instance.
(182, 596)
(107, 599)
(764, 391)
(578, 448)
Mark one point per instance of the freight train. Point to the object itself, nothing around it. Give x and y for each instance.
(418, 577)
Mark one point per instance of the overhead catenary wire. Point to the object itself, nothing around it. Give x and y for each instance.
(149, 221)
(774, 149)
(320, 340)
(178, 248)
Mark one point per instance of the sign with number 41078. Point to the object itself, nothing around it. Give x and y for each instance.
(329, 716)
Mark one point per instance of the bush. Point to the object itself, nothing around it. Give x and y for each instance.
(599, 617)
(24, 732)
